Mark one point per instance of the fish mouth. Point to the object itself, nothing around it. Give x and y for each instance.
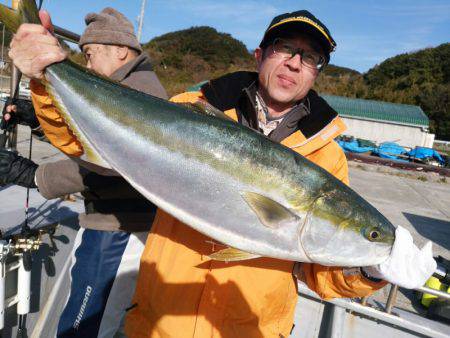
(328, 244)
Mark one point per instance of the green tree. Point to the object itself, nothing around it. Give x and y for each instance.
(420, 78)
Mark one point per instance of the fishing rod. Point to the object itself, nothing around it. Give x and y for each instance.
(24, 254)
(66, 34)
(28, 240)
(23, 246)
(442, 273)
(8, 139)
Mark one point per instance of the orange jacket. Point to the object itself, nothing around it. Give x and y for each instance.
(52, 122)
(181, 292)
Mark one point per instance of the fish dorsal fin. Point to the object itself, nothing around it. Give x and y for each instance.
(27, 12)
(232, 255)
(271, 213)
(89, 153)
(203, 107)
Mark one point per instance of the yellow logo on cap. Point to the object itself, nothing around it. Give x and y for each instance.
(309, 21)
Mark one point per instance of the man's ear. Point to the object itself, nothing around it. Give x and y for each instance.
(122, 52)
(258, 56)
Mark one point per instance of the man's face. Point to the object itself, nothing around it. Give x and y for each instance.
(282, 81)
(100, 58)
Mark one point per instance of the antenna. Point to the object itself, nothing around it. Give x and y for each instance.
(141, 20)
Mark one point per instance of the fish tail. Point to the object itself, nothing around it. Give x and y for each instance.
(26, 13)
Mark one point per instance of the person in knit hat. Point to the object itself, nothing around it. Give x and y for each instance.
(109, 27)
(117, 218)
(109, 43)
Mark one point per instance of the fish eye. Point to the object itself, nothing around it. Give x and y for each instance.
(374, 234)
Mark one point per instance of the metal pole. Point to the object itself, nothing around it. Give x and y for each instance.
(66, 34)
(364, 300)
(141, 20)
(433, 292)
(2, 282)
(23, 286)
(391, 298)
(13, 91)
(373, 313)
(22, 309)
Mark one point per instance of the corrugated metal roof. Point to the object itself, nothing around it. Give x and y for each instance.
(378, 110)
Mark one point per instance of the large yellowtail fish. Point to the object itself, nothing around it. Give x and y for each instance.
(219, 177)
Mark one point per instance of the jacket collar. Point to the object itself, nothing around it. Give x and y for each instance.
(142, 62)
(290, 122)
(308, 130)
(305, 146)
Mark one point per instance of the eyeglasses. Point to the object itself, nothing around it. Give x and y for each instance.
(287, 51)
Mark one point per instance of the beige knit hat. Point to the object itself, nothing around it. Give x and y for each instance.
(109, 27)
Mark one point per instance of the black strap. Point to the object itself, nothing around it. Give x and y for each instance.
(6, 126)
(367, 276)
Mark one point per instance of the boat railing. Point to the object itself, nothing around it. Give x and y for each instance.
(336, 321)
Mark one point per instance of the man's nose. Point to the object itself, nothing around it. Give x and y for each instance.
(294, 62)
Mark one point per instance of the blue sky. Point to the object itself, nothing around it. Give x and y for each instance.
(366, 31)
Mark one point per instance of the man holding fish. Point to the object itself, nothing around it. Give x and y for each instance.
(192, 285)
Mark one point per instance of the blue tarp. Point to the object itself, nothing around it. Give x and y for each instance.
(354, 147)
(390, 150)
(422, 153)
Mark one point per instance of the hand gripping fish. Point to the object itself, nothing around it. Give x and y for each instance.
(217, 176)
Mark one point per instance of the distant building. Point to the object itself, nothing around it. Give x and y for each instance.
(379, 121)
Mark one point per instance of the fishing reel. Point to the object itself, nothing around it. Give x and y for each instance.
(24, 243)
(16, 254)
(443, 270)
(21, 247)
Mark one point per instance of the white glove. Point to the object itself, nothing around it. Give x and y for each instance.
(407, 266)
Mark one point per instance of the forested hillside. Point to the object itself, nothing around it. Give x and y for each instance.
(192, 55)
(421, 78)
(186, 57)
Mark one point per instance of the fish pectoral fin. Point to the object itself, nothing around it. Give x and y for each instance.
(271, 213)
(90, 154)
(232, 255)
